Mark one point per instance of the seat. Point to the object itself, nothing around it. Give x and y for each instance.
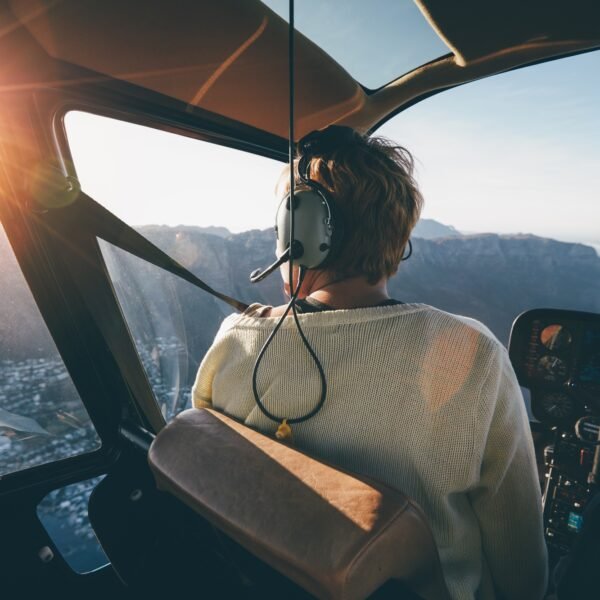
(335, 534)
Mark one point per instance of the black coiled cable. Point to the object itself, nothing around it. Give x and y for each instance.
(291, 306)
(294, 292)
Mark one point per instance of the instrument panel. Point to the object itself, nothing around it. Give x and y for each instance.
(556, 354)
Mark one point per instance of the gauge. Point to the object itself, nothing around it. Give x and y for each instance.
(552, 369)
(556, 406)
(555, 337)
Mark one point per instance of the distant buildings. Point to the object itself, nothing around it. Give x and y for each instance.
(41, 390)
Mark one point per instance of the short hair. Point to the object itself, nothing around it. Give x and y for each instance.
(372, 184)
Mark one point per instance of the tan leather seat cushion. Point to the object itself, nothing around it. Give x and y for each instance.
(335, 534)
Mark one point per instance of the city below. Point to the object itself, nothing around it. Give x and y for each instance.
(42, 420)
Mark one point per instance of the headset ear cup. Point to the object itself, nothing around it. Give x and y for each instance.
(313, 230)
(335, 221)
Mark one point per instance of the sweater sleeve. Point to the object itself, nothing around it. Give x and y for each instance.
(202, 388)
(507, 501)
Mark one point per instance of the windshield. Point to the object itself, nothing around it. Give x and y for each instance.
(509, 170)
(513, 153)
(375, 41)
(511, 222)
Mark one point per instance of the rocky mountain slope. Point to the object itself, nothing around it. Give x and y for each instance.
(489, 277)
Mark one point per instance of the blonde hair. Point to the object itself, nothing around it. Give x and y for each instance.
(376, 196)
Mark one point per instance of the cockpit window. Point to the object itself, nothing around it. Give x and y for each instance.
(42, 418)
(209, 207)
(375, 41)
(169, 339)
(150, 177)
(509, 169)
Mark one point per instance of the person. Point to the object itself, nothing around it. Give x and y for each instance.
(418, 398)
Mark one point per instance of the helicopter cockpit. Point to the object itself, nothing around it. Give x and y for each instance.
(139, 147)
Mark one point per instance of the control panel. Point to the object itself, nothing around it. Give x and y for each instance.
(556, 355)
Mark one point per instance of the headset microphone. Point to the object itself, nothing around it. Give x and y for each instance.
(259, 274)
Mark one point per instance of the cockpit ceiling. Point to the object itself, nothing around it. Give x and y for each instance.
(475, 29)
(230, 56)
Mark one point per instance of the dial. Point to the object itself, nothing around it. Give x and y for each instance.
(557, 406)
(555, 337)
(552, 369)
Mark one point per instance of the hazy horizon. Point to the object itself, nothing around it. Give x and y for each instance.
(594, 245)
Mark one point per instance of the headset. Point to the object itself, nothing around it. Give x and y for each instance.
(309, 231)
(318, 227)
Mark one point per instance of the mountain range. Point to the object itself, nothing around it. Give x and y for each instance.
(489, 277)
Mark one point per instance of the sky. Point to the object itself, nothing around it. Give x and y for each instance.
(513, 153)
(375, 41)
(518, 152)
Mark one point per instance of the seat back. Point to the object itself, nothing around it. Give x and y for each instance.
(335, 534)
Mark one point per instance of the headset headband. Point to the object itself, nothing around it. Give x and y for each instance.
(325, 141)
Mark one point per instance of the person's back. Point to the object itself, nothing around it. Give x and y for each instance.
(422, 400)
(419, 399)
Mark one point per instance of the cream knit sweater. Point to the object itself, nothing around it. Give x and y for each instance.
(420, 399)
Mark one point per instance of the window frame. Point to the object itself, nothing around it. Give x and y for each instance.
(158, 112)
(160, 123)
(61, 305)
(56, 316)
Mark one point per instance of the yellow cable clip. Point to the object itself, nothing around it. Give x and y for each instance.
(284, 431)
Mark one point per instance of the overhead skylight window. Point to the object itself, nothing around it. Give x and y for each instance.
(374, 41)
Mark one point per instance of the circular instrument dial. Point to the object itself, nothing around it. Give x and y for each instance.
(555, 337)
(552, 369)
(557, 406)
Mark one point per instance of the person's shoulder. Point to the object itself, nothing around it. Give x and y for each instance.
(467, 337)
(464, 324)
(227, 324)
(256, 312)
